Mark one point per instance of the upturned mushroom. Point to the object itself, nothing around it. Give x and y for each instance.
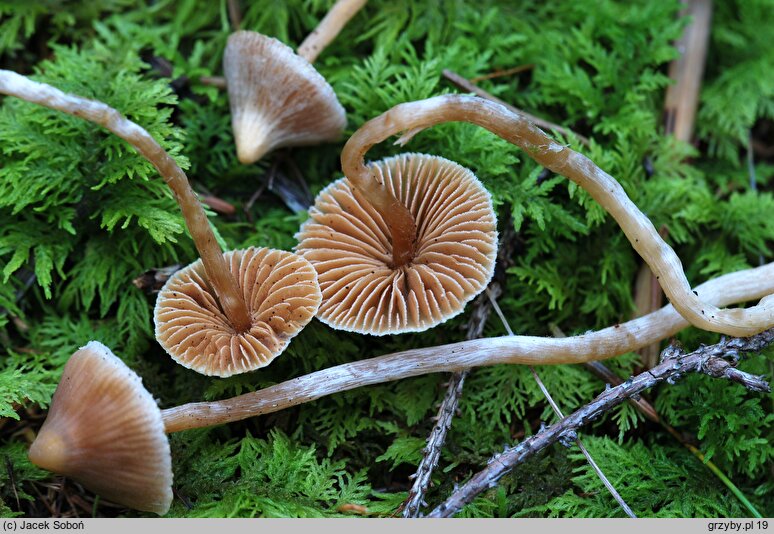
(277, 97)
(105, 430)
(412, 117)
(224, 314)
(368, 286)
(102, 421)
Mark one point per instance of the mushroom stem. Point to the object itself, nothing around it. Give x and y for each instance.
(329, 28)
(218, 274)
(413, 117)
(606, 343)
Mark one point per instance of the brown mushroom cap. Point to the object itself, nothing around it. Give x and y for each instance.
(348, 243)
(105, 431)
(277, 98)
(282, 295)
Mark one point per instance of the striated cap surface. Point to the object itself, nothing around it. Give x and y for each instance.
(105, 430)
(348, 243)
(282, 296)
(277, 98)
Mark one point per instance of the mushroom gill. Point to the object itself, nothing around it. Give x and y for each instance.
(277, 98)
(282, 296)
(348, 243)
(105, 430)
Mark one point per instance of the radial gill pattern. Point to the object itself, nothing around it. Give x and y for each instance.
(282, 295)
(105, 430)
(277, 98)
(348, 243)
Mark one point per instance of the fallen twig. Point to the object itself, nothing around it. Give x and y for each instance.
(215, 81)
(153, 280)
(711, 360)
(682, 98)
(235, 14)
(503, 72)
(432, 451)
(645, 408)
(555, 407)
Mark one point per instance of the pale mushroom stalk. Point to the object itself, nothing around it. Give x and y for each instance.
(218, 274)
(413, 117)
(105, 430)
(603, 344)
(329, 28)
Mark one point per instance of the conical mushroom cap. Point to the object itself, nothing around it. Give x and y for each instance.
(348, 243)
(282, 295)
(105, 430)
(277, 98)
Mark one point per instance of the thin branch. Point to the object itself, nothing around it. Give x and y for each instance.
(682, 98)
(215, 81)
(432, 451)
(503, 72)
(711, 360)
(609, 377)
(644, 407)
(751, 172)
(466, 85)
(555, 407)
(482, 307)
(235, 14)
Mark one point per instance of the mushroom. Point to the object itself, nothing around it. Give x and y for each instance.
(412, 117)
(248, 327)
(282, 295)
(277, 98)
(80, 419)
(367, 289)
(105, 430)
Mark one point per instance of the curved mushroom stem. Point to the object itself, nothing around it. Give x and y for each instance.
(606, 343)
(329, 28)
(413, 117)
(218, 273)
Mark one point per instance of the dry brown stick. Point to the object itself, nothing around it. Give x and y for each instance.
(503, 72)
(648, 297)
(219, 205)
(682, 98)
(601, 371)
(466, 85)
(234, 14)
(675, 364)
(215, 81)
